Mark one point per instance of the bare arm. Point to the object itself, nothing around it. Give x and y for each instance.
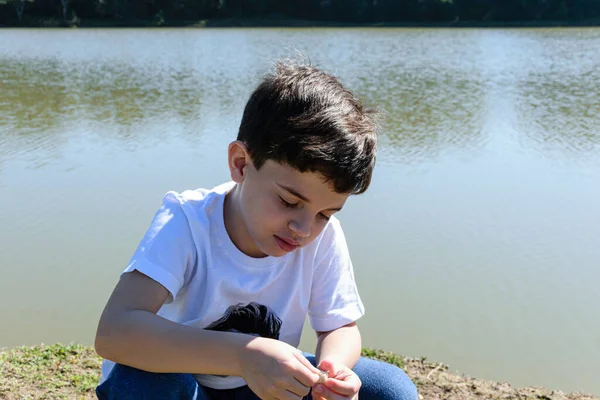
(130, 333)
(342, 345)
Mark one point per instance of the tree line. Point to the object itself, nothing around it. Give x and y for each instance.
(307, 12)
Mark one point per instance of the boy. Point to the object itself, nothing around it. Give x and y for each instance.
(213, 301)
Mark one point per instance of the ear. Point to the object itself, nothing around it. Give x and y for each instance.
(238, 160)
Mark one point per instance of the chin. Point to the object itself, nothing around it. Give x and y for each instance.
(276, 252)
(268, 249)
(273, 250)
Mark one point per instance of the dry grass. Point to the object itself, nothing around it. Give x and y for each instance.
(72, 372)
(49, 372)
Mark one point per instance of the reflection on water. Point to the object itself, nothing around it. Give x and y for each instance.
(431, 90)
(486, 192)
(40, 98)
(562, 114)
(426, 117)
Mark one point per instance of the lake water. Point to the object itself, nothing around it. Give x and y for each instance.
(478, 244)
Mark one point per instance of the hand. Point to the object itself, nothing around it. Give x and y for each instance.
(274, 370)
(342, 383)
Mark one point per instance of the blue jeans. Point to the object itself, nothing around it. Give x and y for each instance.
(380, 381)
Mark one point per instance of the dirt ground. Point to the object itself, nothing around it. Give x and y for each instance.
(72, 371)
(434, 381)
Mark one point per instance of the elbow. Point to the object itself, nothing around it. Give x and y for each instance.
(102, 347)
(102, 344)
(107, 339)
(100, 350)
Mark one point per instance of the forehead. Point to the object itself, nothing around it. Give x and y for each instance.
(311, 185)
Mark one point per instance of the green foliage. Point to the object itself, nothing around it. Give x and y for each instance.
(49, 371)
(381, 355)
(232, 12)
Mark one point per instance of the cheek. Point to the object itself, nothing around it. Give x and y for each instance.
(254, 215)
(269, 215)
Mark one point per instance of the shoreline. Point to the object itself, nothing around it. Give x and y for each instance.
(288, 23)
(69, 371)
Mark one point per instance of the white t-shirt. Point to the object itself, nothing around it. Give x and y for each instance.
(188, 251)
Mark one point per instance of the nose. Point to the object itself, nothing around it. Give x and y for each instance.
(301, 226)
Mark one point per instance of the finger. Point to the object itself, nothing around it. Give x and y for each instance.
(329, 366)
(347, 387)
(306, 373)
(323, 392)
(286, 395)
(298, 388)
(306, 363)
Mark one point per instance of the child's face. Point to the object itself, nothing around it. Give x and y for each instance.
(281, 209)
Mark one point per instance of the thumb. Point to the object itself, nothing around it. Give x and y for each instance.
(304, 361)
(329, 366)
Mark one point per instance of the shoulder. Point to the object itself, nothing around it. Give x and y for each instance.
(330, 241)
(195, 203)
(332, 232)
(196, 196)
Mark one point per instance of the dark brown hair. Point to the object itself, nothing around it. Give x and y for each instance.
(305, 118)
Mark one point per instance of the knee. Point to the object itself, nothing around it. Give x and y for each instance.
(129, 382)
(381, 380)
(396, 384)
(400, 386)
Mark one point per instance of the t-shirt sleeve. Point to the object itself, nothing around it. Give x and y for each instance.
(167, 252)
(334, 299)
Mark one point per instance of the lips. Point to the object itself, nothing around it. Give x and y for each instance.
(291, 242)
(286, 244)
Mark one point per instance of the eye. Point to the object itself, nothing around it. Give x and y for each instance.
(287, 204)
(325, 217)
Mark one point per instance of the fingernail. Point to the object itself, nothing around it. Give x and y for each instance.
(318, 389)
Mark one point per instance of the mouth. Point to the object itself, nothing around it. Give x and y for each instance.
(286, 244)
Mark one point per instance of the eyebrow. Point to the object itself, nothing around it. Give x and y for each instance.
(303, 198)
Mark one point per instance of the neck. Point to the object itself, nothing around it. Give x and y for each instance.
(235, 225)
